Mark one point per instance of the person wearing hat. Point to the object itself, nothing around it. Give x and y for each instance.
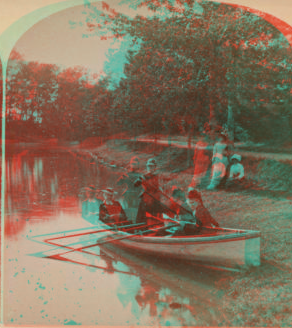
(131, 194)
(236, 176)
(193, 216)
(150, 205)
(111, 211)
(90, 206)
(177, 200)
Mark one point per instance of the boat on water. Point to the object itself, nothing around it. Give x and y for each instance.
(215, 246)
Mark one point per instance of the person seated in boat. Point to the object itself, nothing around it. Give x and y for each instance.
(131, 194)
(195, 204)
(177, 200)
(150, 206)
(236, 177)
(192, 216)
(90, 206)
(111, 211)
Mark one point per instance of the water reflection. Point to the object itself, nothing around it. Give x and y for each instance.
(42, 183)
(44, 198)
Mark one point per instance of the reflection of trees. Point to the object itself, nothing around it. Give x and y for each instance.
(177, 292)
(148, 295)
(108, 261)
(40, 182)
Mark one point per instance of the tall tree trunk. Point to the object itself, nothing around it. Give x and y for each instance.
(169, 148)
(230, 122)
(189, 151)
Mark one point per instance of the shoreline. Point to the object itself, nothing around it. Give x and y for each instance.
(246, 297)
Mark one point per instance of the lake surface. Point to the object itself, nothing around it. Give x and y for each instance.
(47, 284)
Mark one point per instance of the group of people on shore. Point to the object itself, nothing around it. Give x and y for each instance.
(144, 202)
(227, 170)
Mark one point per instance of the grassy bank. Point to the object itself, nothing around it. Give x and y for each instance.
(256, 297)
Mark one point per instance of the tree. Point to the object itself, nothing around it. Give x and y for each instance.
(186, 53)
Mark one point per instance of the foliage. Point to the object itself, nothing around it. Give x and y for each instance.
(44, 100)
(185, 64)
(196, 60)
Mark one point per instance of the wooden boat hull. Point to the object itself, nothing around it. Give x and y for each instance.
(221, 247)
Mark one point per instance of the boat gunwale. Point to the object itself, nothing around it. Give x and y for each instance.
(233, 235)
(190, 241)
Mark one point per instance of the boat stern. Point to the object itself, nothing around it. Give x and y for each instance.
(253, 251)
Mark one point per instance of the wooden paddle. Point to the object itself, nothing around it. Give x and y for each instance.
(124, 237)
(164, 195)
(98, 231)
(107, 241)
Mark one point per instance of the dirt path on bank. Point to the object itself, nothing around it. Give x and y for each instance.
(254, 154)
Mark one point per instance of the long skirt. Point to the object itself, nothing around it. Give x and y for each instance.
(219, 173)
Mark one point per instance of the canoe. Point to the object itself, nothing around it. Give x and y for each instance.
(215, 246)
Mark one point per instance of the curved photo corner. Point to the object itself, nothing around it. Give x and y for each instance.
(181, 124)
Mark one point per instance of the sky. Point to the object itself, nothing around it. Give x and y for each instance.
(12, 10)
(54, 41)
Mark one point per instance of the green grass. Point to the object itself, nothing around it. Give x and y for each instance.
(259, 296)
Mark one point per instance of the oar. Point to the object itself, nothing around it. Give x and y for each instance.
(124, 237)
(112, 239)
(97, 231)
(80, 249)
(162, 220)
(165, 206)
(163, 194)
(166, 196)
(69, 246)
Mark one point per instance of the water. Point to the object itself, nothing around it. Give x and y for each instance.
(48, 284)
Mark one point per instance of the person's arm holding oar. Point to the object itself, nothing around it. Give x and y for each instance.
(193, 218)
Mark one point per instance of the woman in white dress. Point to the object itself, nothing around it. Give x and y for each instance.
(220, 161)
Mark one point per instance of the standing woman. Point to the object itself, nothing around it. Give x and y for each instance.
(131, 194)
(150, 205)
(202, 160)
(221, 152)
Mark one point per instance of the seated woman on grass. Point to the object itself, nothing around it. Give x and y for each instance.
(236, 177)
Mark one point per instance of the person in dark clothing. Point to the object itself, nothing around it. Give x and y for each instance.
(110, 210)
(131, 194)
(176, 200)
(150, 205)
(192, 216)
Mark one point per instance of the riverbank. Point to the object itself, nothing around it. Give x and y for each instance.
(256, 297)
